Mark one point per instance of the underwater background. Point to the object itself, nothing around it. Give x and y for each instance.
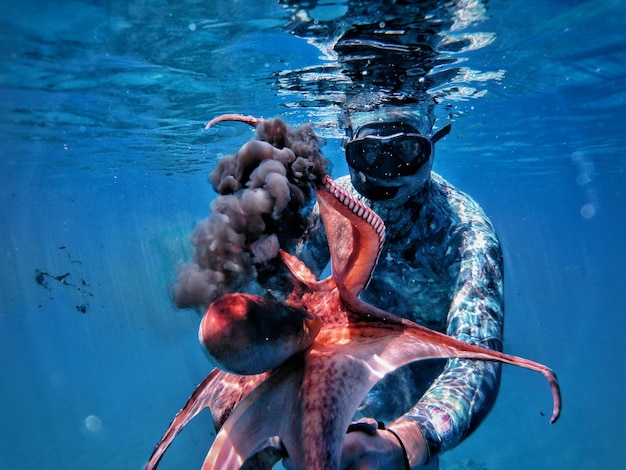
(103, 175)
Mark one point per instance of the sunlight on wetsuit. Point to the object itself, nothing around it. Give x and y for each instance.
(441, 266)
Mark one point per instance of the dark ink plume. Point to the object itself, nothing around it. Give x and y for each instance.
(264, 198)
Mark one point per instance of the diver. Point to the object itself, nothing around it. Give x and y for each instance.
(441, 266)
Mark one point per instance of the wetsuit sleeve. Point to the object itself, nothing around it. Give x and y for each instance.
(312, 248)
(460, 398)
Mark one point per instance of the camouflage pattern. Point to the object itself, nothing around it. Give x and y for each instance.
(442, 267)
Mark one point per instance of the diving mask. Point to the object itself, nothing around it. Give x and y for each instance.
(390, 149)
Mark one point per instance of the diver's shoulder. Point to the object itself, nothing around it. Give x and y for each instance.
(441, 186)
(458, 201)
(346, 183)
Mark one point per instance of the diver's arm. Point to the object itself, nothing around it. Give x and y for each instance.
(312, 248)
(460, 398)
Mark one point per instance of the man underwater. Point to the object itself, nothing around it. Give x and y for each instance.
(441, 266)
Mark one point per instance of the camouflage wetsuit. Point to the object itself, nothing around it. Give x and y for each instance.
(441, 266)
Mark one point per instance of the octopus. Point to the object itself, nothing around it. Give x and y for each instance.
(292, 373)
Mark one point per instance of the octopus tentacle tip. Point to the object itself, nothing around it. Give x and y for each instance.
(556, 392)
(253, 121)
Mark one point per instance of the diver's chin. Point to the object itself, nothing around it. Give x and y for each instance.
(375, 189)
(380, 193)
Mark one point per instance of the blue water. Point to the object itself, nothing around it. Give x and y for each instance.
(103, 175)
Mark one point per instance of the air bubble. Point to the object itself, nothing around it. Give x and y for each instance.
(93, 424)
(588, 211)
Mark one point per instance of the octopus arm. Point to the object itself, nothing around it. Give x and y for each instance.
(355, 235)
(219, 391)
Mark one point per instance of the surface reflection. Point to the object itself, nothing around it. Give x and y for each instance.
(377, 53)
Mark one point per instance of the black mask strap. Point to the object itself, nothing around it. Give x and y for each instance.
(441, 133)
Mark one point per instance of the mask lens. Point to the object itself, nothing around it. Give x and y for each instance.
(370, 149)
(362, 154)
(400, 155)
(408, 148)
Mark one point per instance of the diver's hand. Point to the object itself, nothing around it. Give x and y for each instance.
(367, 447)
